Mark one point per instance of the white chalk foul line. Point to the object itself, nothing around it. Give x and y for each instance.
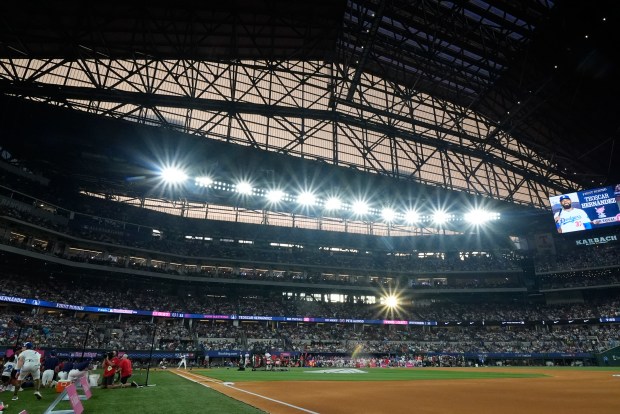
(242, 390)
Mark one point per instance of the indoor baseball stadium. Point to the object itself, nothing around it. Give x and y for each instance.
(328, 206)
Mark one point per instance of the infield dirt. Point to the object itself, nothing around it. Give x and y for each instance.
(560, 392)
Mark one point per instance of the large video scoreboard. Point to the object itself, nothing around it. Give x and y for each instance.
(586, 210)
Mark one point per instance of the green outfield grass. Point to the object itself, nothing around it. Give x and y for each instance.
(371, 374)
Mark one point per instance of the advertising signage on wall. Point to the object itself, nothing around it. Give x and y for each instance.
(586, 210)
(591, 241)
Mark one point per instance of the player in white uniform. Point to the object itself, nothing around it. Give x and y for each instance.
(7, 372)
(570, 219)
(29, 363)
(183, 362)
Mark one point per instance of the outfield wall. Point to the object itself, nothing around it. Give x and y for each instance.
(429, 358)
(611, 357)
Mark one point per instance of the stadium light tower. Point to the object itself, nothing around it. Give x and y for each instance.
(306, 198)
(391, 301)
(478, 217)
(203, 181)
(244, 188)
(173, 175)
(440, 216)
(333, 203)
(388, 214)
(411, 216)
(274, 196)
(360, 208)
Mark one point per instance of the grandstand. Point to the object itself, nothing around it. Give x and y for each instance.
(309, 180)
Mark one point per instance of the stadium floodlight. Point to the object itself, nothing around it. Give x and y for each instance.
(274, 196)
(411, 216)
(333, 203)
(480, 216)
(244, 187)
(391, 301)
(440, 217)
(203, 181)
(173, 175)
(388, 214)
(360, 208)
(306, 198)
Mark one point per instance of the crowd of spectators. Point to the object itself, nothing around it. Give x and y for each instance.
(273, 263)
(133, 246)
(61, 329)
(128, 295)
(579, 260)
(327, 267)
(124, 244)
(584, 278)
(67, 331)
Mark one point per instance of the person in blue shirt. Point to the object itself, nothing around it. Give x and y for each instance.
(50, 370)
(79, 370)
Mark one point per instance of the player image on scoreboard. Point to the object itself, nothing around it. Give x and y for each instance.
(585, 210)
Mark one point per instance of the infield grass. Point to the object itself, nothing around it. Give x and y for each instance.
(170, 395)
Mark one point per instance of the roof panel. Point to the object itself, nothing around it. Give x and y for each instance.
(495, 57)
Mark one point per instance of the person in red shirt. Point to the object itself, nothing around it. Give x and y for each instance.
(126, 370)
(116, 360)
(109, 369)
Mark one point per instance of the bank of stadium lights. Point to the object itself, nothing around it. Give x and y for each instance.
(478, 217)
(358, 208)
(475, 217)
(173, 175)
(203, 181)
(218, 185)
(306, 198)
(388, 214)
(333, 203)
(391, 301)
(411, 216)
(275, 196)
(441, 217)
(244, 188)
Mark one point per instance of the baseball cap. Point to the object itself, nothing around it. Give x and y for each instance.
(28, 345)
(564, 197)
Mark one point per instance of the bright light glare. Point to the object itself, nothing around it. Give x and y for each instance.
(388, 214)
(333, 203)
(244, 188)
(480, 216)
(274, 195)
(360, 208)
(203, 181)
(411, 216)
(173, 175)
(391, 301)
(440, 217)
(306, 198)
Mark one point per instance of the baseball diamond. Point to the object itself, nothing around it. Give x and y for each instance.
(561, 390)
(327, 206)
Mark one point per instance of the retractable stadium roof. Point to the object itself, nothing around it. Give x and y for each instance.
(511, 100)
